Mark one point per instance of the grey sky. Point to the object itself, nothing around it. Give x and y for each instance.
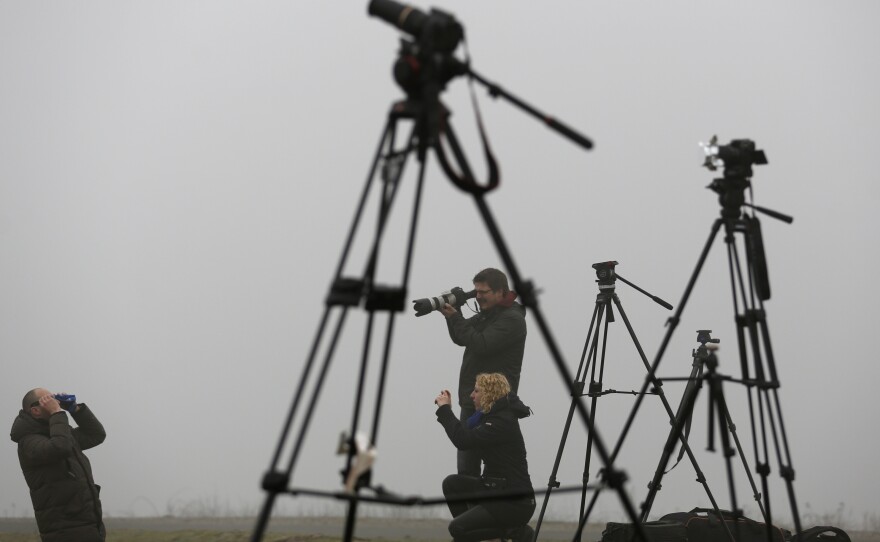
(176, 181)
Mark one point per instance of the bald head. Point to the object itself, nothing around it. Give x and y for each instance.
(31, 397)
(31, 403)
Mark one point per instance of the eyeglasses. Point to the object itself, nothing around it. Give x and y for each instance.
(483, 292)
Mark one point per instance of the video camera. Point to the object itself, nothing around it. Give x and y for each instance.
(455, 297)
(737, 157)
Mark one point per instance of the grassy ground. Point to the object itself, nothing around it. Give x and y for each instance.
(179, 536)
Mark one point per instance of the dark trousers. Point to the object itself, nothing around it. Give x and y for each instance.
(473, 521)
(88, 533)
(468, 460)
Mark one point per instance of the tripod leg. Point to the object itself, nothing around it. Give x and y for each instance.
(672, 323)
(346, 293)
(594, 392)
(614, 478)
(387, 137)
(753, 319)
(389, 194)
(685, 408)
(275, 481)
(717, 399)
(652, 379)
(658, 386)
(353, 504)
(676, 318)
(786, 468)
(577, 391)
(351, 516)
(756, 495)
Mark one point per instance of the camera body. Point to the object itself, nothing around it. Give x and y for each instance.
(455, 297)
(67, 401)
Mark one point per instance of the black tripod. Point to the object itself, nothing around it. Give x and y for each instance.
(593, 363)
(423, 69)
(750, 288)
(703, 357)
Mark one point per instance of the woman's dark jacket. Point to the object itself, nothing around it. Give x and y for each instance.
(59, 476)
(494, 342)
(497, 438)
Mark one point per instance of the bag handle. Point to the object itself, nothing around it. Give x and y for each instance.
(726, 514)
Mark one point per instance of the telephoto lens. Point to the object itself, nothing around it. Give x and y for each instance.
(455, 297)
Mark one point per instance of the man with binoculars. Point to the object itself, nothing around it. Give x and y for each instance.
(494, 340)
(64, 494)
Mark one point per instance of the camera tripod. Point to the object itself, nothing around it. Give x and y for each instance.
(605, 301)
(424, 68)
(703, 358)
(750, 288)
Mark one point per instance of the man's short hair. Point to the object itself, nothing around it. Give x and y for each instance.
(29, 399)
(496, 279)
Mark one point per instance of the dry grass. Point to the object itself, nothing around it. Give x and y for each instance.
(179, 536)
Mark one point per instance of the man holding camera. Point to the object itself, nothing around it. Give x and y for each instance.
(64, 494)
(494, 340)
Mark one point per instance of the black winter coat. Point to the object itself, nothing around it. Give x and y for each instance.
(497, 438)
(494, 342)
(59, 475)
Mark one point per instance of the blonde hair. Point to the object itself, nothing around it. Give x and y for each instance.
(493, 386)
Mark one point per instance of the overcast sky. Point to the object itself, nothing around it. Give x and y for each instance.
(177, 181)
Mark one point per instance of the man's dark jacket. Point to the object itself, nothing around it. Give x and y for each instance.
(493, 341)
(59, 475)
(497, 438)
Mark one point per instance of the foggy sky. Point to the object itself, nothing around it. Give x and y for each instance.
(177, 181)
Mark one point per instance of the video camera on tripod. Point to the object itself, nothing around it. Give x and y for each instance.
(429, 55)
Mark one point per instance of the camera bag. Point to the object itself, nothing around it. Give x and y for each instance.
(821, 534)
(705, 525)
(657, 531)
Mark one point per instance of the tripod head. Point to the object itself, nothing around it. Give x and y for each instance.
(705, 336)
(701, 354)
(605, 275)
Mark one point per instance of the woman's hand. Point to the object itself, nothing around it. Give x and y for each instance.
(445, 398)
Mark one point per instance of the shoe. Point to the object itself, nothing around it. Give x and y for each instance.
(521, 534)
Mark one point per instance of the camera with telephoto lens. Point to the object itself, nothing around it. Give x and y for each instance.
(436, 31)
(455, 297)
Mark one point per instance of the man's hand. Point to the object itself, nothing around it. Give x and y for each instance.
(67, 401)
(51, 404)
(448, 310)
(445, 398)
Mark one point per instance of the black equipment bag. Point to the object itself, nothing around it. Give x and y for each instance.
(705, 525)
(821, 534)
(657, 531)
